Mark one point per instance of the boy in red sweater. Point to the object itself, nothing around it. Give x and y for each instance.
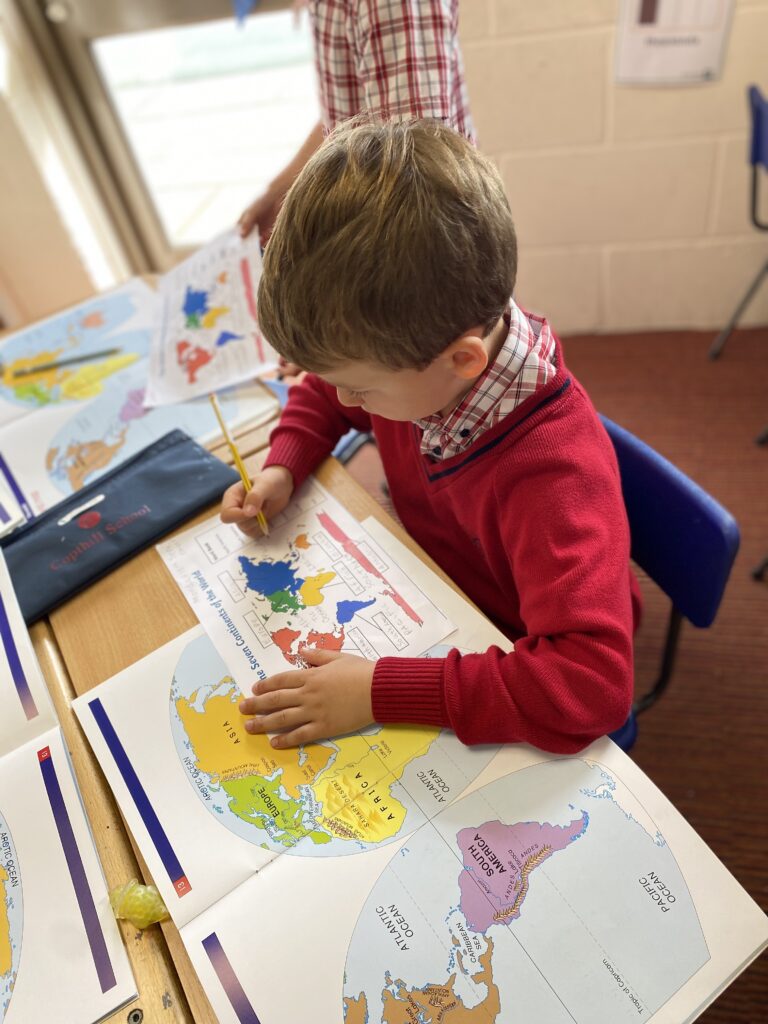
(388, 277)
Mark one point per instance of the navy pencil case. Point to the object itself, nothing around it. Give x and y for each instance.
(82, 538)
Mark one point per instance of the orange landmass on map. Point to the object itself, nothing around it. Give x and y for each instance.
(95, 319)
(43, 378)
(191, 359)
(83, 459)
(325, 641)
(439, 1004)
(285, 639)
(356, 1010)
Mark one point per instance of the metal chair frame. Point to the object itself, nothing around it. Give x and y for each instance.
(758, 157)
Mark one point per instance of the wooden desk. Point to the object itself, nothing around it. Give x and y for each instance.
(82, 644)
(95, 635)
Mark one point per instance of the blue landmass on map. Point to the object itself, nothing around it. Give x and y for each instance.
(269, 577)
(346, 610)
(195, 303)
(226, 336)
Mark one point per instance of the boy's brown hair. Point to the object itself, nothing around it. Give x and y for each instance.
(394, 240)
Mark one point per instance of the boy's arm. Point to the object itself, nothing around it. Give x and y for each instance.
(310, 427)
(570, 678)
(404, 62)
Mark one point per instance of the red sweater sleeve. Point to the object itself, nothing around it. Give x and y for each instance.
(310, 426)
(570, 677)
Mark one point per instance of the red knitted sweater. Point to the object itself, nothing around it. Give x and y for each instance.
(529, 522)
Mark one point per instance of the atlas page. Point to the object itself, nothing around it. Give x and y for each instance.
(46, 457)
(556, 889)
(319, 579)
(61, 953)
(207, 333)
(59, 943)
(71, 357)
(11, 515)
(26, 710)
(411, 875)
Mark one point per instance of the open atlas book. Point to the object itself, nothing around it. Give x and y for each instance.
(394, 874)
(59, 943)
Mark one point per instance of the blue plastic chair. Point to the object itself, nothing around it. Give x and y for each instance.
(758, 157)
(682, 538)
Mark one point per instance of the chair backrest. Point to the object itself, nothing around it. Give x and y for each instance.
(758, 147)
(684, 539)
(758, 150)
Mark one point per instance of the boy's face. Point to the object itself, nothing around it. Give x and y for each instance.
(412, 394)
(393, 394)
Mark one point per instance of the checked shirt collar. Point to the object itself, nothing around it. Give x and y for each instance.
(524, 365)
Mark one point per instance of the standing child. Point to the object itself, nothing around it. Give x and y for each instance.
(383, 58)
(388, 277)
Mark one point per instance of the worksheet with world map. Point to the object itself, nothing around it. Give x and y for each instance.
(318, 580)
(207, 334)
(397, 875)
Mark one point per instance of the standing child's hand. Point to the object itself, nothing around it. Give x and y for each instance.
(270, 493)
(332, 697)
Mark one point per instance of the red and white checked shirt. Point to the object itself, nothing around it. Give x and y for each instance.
(524, 364)
(392, 58)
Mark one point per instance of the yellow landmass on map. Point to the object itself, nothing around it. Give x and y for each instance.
(210, 318)
(85, 381)
(88, 457)
(310, 589)
(224, 750)
(6, 953)
(46, 378)
(356, 792)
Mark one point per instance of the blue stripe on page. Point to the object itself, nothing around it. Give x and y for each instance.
(95, 935)
(141, 800)
(229, 980)
(16, 490)
(17, 669)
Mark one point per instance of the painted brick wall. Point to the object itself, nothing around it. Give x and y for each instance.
(631, 203)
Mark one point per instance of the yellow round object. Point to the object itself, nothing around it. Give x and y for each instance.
(142, 905)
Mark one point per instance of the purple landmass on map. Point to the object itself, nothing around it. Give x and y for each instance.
(498, 861)
(133, 407)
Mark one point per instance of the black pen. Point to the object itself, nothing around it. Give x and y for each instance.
(85, 357)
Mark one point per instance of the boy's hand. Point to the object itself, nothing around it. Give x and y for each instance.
(262, 211)
(270, 493)
(311, 704)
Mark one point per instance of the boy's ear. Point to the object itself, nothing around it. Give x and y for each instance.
(468, 356)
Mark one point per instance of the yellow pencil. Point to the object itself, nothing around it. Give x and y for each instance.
(260, 517)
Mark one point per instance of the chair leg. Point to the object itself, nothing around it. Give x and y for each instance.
(667, 663)
(758, 573)
(762, 437)
(720, 340)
